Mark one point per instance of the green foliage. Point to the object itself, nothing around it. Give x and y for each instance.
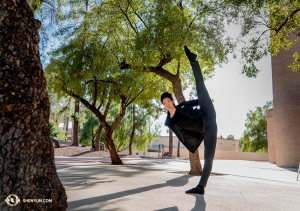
(143, 34)
(53, 128)
(230, 136)
(62, 135)
(89, 129)
(273, 26)
(255, 136)
(145, 131)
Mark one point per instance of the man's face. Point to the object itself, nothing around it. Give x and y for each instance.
(168, 103)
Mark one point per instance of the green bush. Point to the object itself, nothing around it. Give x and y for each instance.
(53, 129)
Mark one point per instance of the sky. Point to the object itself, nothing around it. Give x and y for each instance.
(234, 95)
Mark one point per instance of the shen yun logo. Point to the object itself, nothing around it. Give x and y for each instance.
(12, 200)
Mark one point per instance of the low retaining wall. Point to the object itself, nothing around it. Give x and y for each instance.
(230, 155)
(219, 155)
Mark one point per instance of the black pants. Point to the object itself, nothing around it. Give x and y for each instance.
(210, 134)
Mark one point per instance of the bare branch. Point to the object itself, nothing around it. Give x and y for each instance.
(126, 16)
(135, 12)
(121, 113)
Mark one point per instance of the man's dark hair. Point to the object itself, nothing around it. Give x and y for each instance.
(165, 95)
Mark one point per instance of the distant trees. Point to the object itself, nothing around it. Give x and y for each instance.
(255, 136)
(230, 136)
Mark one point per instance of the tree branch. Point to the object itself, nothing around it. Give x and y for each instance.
(166, 58)
(163, 73)
(286, 20)
(95, 92)
(88, 106)
(105, 81)
(126, 16)
(129, 102)
(178, 68)
(135, 12)
(121, 113)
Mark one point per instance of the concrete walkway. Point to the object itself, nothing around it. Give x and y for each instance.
(158, 184)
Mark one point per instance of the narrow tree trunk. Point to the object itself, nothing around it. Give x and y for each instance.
(66, 124)
(178, 149)
(27, 167)
(170, 143)
(132, 131)
(75, 137)
(98, 137)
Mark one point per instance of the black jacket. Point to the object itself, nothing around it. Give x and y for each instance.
(190, 139)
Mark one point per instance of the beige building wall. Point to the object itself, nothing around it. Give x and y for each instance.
(270, 136)
(227, 145)
(286, 99)
(230, 155)
(222, 144)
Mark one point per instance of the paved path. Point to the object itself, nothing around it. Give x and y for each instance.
(151, 184)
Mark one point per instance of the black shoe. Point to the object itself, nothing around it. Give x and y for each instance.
(191, 56)
(197, 190)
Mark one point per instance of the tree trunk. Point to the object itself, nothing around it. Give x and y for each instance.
(27, 167)
(66, 125)
(132, 131)
(75, 138)
(196, 168)
(115, 158)
(98, 137)
(178, 149)
(170, 143)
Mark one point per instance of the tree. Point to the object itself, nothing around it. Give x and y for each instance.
(255, 136)
(150, 35)
(136, 131)
(75, 126)
(273, 26)
(27, 157)
(91, 75)
(89, 129)
(61, 112)
(161, 29)
(230, 136)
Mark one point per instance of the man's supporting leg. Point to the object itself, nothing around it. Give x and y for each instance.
(210, 141)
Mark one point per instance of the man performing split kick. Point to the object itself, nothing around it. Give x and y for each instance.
(192, 125)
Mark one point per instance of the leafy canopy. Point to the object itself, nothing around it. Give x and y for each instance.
(272, 25)
(255, 136)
